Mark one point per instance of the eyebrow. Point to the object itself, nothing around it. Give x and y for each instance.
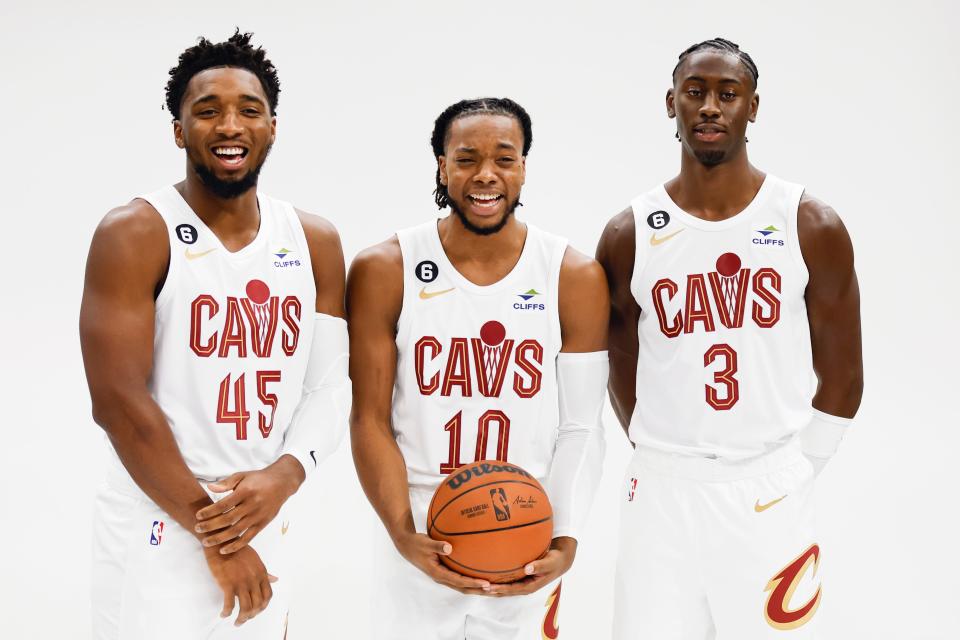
(722, 80)
(500, 145)
(213, 98)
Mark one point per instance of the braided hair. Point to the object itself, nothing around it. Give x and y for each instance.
(720, 44)
(236, 52)
(464, 108)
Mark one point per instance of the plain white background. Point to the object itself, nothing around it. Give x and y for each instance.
(858, 102)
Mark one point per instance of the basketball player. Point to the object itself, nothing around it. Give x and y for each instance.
(212, 376)
(730, 289)
(475, 337)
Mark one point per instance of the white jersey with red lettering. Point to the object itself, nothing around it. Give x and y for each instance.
(476, 379)
(476, 375)
(725, 366)
(232, 333)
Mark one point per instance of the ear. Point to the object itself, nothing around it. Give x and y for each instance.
(754, 106)
(442, 167)
(178, 134)
(671, 111)
(273, 129)
(523, 170)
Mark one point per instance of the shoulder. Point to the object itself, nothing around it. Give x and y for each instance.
(135, 230)
(620, 228)
(383, 262)
(581, 271)
(320, 232)
(819, 227)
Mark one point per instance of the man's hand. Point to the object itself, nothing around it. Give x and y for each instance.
(424, 553)
(256, 499)
(241, 575)
(541, 572)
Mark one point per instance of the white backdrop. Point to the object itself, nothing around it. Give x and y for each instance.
(858, 102)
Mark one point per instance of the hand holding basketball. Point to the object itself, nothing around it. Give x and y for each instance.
(541, 572)
(424, 553)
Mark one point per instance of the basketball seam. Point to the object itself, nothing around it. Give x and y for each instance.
(434, 527)
(466, 566)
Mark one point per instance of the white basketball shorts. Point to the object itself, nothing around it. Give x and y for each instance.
(408, 605)
(151, 580)
(712, 547)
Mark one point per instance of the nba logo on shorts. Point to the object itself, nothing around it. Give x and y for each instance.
(633, 489)
(500, 506)
(156, 532)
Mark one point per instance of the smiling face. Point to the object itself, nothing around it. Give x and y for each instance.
(483, 168)
(713, 98)
(226, 128)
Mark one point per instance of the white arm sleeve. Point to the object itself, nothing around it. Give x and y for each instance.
(821, 438)
(320, 419)
(578, 456)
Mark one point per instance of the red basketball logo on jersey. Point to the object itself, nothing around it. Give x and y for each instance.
(479, 363)
(727, 288)
(248, 324)
(777, 611)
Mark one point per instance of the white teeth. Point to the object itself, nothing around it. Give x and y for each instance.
(228, 151)
(484, 196)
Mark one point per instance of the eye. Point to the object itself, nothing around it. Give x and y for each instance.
(206, 113)
(464, 160)
(728, 95)
(505, 160)
(693, 92)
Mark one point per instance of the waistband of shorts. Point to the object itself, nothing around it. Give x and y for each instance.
(717, 469)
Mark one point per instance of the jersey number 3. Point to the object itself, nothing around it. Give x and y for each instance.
(723, 378)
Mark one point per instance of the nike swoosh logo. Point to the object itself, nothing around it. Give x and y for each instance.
(194, 256)
(654, 240)
(283, 528)
(763, 507)
(426, 295)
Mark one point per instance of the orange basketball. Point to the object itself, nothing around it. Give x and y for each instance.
(496, 516)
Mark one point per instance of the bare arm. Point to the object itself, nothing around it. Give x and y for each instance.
(374, 301)
(128, 258)
(833, 308)
(615, 253)
(127, 261)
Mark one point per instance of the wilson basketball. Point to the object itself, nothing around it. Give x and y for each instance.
(496, 516)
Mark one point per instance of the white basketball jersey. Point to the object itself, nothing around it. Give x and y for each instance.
(725, 366)
(476, 370)
(232, 337)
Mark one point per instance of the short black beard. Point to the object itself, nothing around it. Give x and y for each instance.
(484, 231)
(230, 189)
(710, 157)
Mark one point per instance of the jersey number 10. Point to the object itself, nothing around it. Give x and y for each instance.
(488, 419)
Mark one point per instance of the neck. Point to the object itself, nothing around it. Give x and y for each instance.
(229, 218)
(483, 260)
(715, 192)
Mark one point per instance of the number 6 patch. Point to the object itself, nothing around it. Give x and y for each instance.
(187, 233)
(426, 271)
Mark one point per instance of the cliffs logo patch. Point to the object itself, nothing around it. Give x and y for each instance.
(527, 305)
(283, 262)
(768, 236)
(156, 532)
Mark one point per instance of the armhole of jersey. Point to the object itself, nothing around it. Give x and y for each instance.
(556, 263)
(639, 250)
(293, 219)
(406, 242)
(173, 264)
(793, 237)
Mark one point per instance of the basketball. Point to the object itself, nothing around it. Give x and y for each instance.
(496, 516)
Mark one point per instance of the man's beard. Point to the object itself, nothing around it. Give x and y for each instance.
(710, 157)
(484, 231)
(229, 189)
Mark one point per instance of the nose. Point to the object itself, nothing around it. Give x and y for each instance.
(710, 109)
(485, 173)
(229, 123)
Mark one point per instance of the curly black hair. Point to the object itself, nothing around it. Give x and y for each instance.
(720, 44)
(485, 106)
(236, 51)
